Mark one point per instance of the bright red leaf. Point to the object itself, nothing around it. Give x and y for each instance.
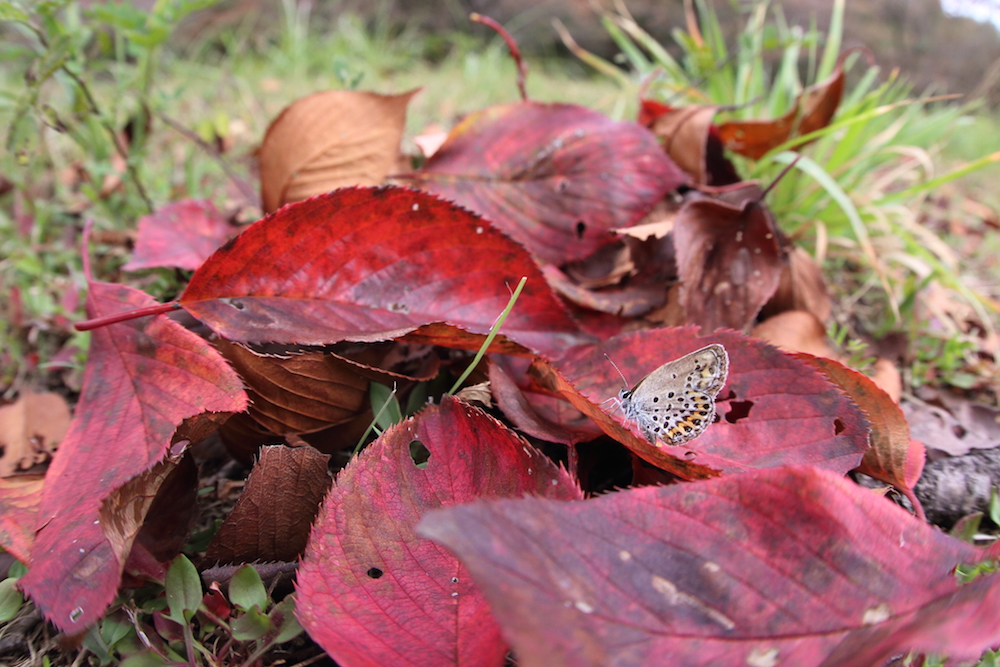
(556, 177)
(143, 378)
(774, 409)
(182, 235)
(371, 264)
(370, 591)
(793, 566)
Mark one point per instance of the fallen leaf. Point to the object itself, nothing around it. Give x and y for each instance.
(272, 518)
(812, 111)
(555, 177)
(123, 513)
(952, 424)
(182, 235)
(691, 141)
(729, 261)
(795, 331)
(630, 301)
(888, 378)
(372, 264)
(298, 392)
(329, 140)
(894, 458)
(171, 515)
(528, 415)
(791, 566)
(430, 140)
(366, 574)
(30, 429)
(20, 496)
(801, 286)
(774, 409)
(143, 378)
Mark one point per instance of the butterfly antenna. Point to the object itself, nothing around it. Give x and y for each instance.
(624, 380)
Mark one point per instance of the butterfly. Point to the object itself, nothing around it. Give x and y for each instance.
(676, 402)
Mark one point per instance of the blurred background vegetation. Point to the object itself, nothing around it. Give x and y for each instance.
(111, 110)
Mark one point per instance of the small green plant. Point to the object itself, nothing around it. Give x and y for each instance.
(181, 623)
(11, 599)
(940, 360)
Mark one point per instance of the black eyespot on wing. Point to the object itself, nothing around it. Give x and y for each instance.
(656, 399)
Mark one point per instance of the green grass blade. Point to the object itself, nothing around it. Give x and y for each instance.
(489, 339)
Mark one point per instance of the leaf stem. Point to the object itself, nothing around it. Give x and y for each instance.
(522, 67)
(98, 322)
(489, 339)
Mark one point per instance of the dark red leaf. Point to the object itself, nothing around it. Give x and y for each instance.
(774, 410)
(729, 260)
(556, 177)
(791, 566)
(894, 457)
(182, 235)
(370, 591)
(529, 415)
(143, 378)
(271, 520)
(370, 264)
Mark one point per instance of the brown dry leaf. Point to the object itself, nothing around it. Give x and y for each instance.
(431, 140)
(330, 140)
(304, 392)
(19, 499)
(729, 259)
(683, 132)
(952, 423)
(888, 379)
(158, 505)
(30, 429)
(689, 139)
(801, 288)
(657, 224)
(812, 111)
(630, 301)
(795, 331)
(272, 518)
(477, 393)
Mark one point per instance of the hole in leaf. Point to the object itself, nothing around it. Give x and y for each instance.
(738, 410)
(374, 572)
(838, 427)
(235, 303)
(581, 227)
(419, 454)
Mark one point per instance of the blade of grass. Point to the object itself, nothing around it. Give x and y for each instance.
(850, 210)
(489, 339)
(371, 426)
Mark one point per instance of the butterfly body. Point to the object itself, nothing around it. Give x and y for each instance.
(676, 402)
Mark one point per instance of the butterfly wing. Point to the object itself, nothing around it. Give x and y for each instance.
(676, 402)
